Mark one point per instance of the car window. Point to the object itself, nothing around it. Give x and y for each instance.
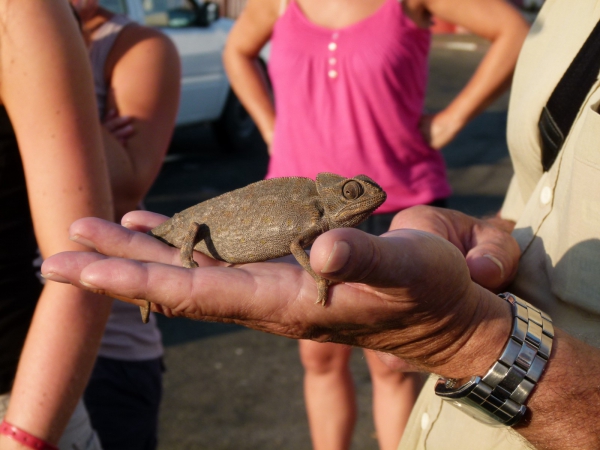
(169, 13)
(116, 6)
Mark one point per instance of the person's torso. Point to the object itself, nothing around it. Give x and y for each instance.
(559, 229)
(349, 101)
(559, 225)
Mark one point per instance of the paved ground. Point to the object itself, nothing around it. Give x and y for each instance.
(231, 388)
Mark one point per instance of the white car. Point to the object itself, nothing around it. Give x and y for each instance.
(199, 35)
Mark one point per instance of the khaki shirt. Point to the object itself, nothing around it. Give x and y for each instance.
(557, 215)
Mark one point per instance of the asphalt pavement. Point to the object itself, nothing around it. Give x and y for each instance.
(230, 388)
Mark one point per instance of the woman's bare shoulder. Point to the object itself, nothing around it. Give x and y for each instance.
(138, 41)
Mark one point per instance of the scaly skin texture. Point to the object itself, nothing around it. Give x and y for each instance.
(270, 219)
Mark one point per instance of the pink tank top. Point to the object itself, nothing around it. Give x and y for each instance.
(349, 101)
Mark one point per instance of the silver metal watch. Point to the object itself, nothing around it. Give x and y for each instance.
(499, 397)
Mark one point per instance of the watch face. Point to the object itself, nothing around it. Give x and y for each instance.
(476, 399)
(475, 411)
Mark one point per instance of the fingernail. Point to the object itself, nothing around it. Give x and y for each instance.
(88, 285)
(338, 257)
(497, 262)
(55, 277)
(80, 240)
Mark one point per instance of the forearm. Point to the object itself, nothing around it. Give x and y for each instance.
(49, 82)
(504, 27)
(565, 398)
(57, 359)
(491, 78)
(251, 89)
(566, 402)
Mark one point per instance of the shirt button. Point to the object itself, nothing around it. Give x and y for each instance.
(424, 421)
(332, 61)
(332, 74)
(546, 195)
(332, 46)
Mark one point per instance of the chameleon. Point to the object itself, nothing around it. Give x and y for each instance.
(270, 219)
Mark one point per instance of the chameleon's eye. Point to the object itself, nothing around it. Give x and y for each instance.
(352, 190)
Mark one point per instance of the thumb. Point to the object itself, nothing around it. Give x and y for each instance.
(491, 266)
(398, 259)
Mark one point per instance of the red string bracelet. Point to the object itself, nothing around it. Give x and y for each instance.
(23, 437)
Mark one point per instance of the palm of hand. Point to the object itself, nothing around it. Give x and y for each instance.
(399, 294)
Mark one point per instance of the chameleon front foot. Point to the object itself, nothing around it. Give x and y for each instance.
(145, 311)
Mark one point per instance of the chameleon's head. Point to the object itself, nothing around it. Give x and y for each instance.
(348, 201)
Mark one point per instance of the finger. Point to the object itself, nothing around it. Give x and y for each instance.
(65, 267)
(115, 121)
(110, 114)
(142, 221)
(123, 132)
(254, 296)
(263, 296)
(427, 218)
(492, 255)
(114, 240)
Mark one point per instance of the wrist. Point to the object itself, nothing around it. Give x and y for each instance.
(488, 331)
(267, 130)
(500, 396)
(22, 438)
(456, 116)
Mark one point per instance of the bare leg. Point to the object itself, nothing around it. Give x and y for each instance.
(394, 395)
(329, 394)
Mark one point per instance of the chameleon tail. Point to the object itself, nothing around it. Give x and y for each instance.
(145, 311)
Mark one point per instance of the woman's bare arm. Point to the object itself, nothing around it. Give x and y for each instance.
(494, 20)
(47, 89)
(250, 33)
(144, 72)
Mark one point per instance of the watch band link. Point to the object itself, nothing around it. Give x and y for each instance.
(503, 391)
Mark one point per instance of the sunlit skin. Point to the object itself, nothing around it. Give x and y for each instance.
(418, 295)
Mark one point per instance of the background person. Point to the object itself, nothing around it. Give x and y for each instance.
(53, 171)
(349, 81)
(136, 75)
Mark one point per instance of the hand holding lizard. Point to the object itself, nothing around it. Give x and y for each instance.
(408, 293)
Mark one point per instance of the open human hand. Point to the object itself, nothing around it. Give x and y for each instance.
(408, 293)
(491, 253)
